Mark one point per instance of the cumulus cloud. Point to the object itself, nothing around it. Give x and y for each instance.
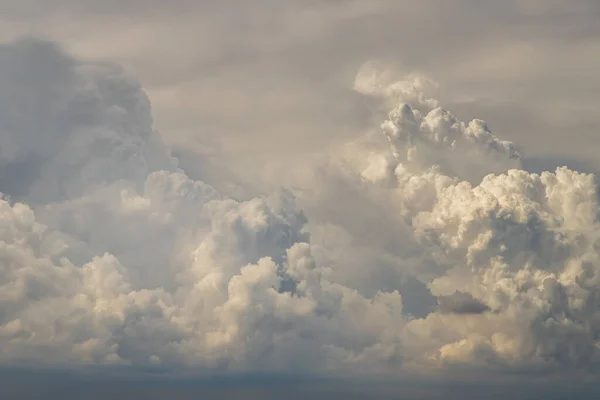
(424, 246)
(516, 243)
(422, 133)
(113, 255)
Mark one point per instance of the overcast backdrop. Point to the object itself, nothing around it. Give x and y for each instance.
(265, 187)
(240, 74)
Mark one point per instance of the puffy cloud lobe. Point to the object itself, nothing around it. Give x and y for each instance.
(423, 134)
(512, 244)
(130, 261)
(438, 138)
(378, 80)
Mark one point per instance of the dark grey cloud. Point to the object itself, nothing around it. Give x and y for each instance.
(461, 303)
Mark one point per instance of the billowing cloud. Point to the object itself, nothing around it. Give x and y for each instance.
(116, 256)
(520, 244)
(111, 254)
(71, 125)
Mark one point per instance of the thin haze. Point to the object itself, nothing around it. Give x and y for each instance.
(277, 198)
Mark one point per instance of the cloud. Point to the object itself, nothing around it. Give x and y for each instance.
(113, 255)
(513, 242)
(461, 303)
(72, 124)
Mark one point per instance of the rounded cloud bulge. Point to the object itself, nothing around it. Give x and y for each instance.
(110, 254)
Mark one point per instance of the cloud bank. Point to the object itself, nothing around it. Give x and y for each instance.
(423, 247)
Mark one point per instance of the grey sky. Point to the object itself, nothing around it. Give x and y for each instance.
(238, 75)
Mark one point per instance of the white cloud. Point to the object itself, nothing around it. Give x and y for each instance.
(521, 244)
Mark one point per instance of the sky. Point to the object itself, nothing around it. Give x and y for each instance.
(334, 198)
